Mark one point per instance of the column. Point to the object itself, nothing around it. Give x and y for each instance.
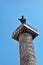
(27, 55)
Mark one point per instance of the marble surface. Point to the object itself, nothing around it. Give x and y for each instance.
(27, 55)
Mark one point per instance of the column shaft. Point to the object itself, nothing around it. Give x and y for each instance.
(27, 55)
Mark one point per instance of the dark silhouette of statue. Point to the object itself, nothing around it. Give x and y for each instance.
(22, 20)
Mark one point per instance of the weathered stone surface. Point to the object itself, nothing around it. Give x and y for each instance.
(27, 55)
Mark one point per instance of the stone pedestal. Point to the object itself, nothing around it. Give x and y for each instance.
(27, 55)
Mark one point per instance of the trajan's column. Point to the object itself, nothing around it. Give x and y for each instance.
(25, 34)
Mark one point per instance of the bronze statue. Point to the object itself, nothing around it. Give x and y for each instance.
(22, 20)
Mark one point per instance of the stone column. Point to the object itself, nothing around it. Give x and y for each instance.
(27, 55)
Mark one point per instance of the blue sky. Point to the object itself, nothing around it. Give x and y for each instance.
(10, 11)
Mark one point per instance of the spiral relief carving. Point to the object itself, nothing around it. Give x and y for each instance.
(27, 56)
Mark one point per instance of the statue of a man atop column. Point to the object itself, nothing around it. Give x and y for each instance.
(22, 20)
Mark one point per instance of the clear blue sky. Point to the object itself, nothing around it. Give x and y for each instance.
(10, 11)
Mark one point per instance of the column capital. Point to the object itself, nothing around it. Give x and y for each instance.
(24, 28)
